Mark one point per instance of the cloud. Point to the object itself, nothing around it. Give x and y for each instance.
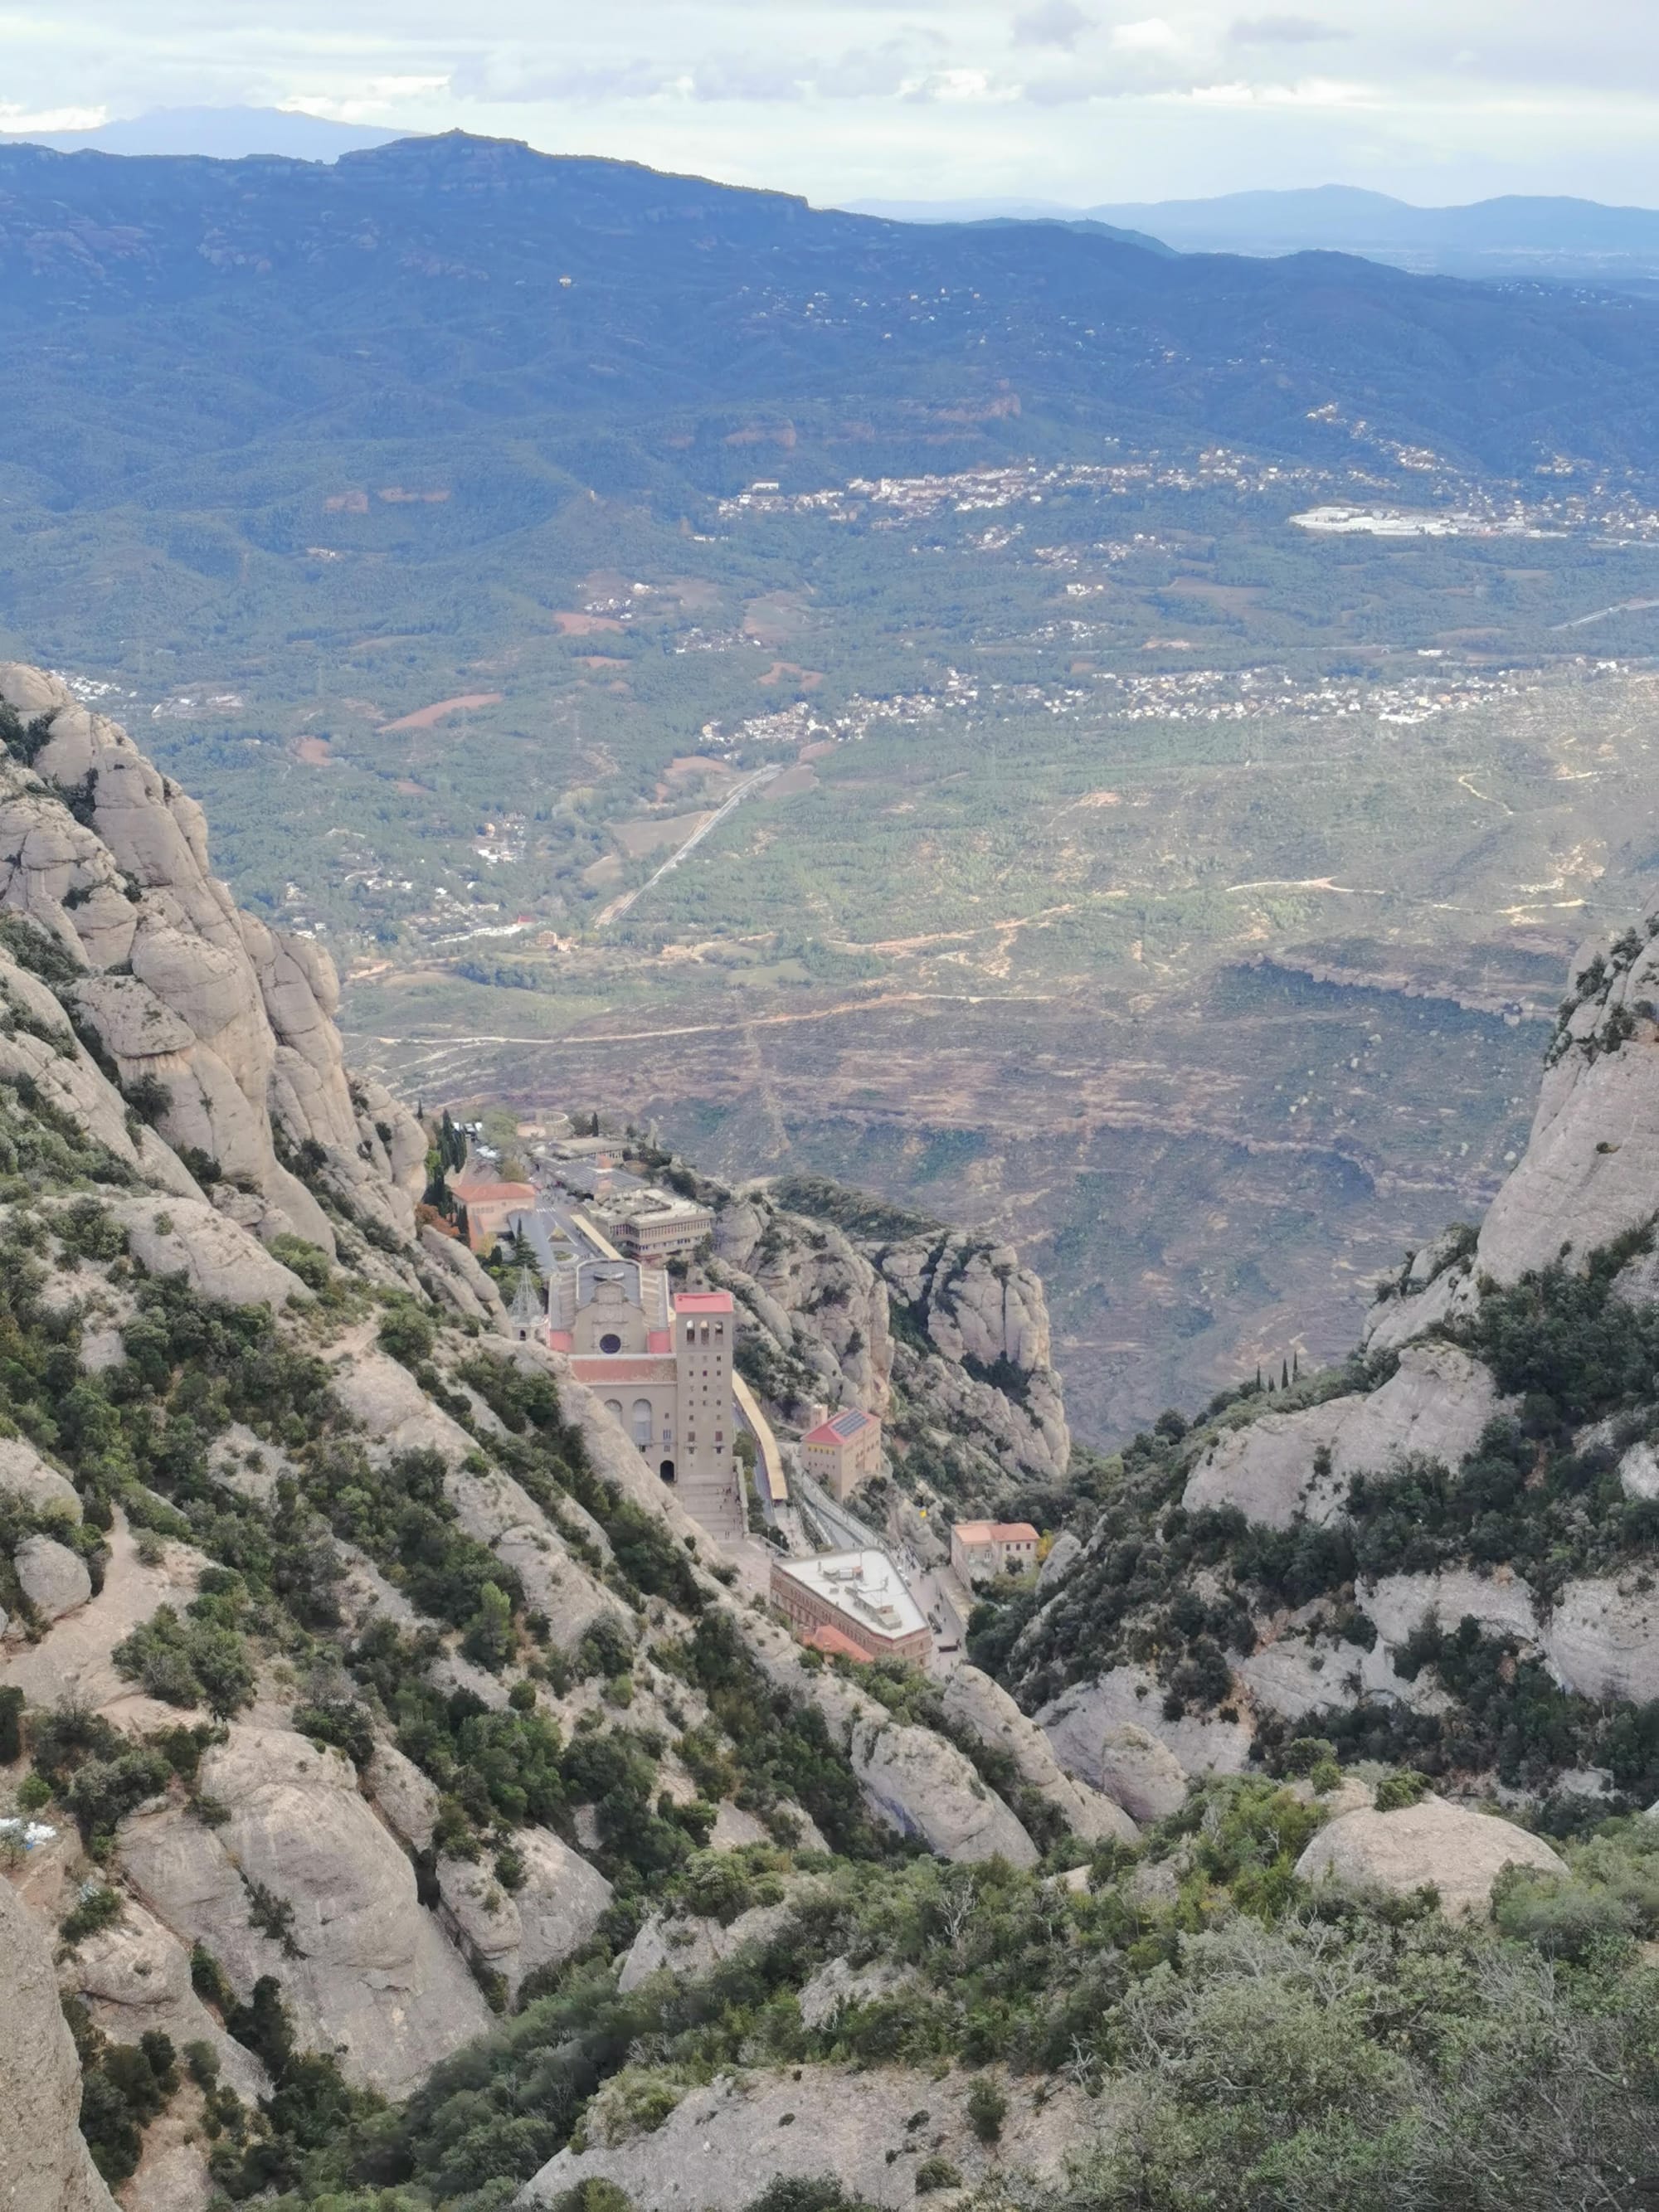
(1282, 31)
(1052, 23)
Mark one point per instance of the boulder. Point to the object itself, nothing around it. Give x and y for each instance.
(1141, 1773)
(1460, 1852)
(402, 1795)
(52, 1577)
(512, 1932)
(1638, 1472)
(303, 1882)
(1080, 1724)
(44, 2167)
(40, 1487)
(1602, 1638)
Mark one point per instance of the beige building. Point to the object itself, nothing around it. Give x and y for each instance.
(858, 1596)
(981, 1550)
(658, 1225)
(842, 1451)
(662, 1367)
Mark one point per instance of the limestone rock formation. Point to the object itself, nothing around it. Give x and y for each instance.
(690, 1946)
(553, 1912)
(134, 1977)
(1460, 1853)
(27, 1476)
(43, 2165)
(365, 1971)
(1141, 1773)
(974, 1702)
(1282, 1465)
(725, 2143)
(789, 1272)
(192, 1001)
(52, 1577)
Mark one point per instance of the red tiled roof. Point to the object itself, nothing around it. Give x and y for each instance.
(831, 1640)
(840, 1428)
(703, 1302)
(515, 1193)
(995, 1532)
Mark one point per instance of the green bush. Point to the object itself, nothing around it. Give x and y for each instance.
(987, 2108)
(935, 2174)
(1395, 1791)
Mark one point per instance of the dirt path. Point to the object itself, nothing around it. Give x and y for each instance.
(619, 907)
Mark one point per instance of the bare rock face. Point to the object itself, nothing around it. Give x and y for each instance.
(26, 1475)
(134, 1976)
(1142, 1774)
(234, 1020)
(512, 1932)
(839, 1984)
(460, 1281)
(52, 1577)
(818, 1296)
(217, 1257)
(927, 1789)
(1602, 1638)
(44, 2167)
(363, 1965)
(723, 2144)
(693, 1946)
(973, 1701)
(987, 1316)
(1460, 1853)
(1063, 1556)
(1434, 1406)
(1085, 1725)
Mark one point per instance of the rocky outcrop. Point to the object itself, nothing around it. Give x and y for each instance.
(985, 1314)
(553, 1911)
(26, 1475)
(43, 2165)
(872, 2128)
(975, 1703)
(134, 1977)
(303, 1882)
(1460, 1853)
(1085, 1725)
(191, 1000)
(215, 1255)
(52, 1577)
(840, 1984)
(818, 1300)
(691, 1945)
(1285, 1465)
(1143, 1774)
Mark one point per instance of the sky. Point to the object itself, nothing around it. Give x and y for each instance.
(1074, 102)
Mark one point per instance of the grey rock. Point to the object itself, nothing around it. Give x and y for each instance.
(1460, 1853)
(52, 1577)
(45, 2167)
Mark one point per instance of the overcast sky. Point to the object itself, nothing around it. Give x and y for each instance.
(1074, 101)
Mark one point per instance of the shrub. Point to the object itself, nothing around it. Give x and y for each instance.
(1395, 1791)
(935, 2174)
(987, 2108)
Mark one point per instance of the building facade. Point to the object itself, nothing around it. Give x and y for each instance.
(661, 1227)
(842, 1451)
(860, 1595)
(662, 1367)
(981, 1550)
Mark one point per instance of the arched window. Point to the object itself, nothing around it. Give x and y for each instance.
(667, 1470)
(613, 1407)
(641, 1422)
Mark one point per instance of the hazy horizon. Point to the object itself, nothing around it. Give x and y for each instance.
(1073, 104)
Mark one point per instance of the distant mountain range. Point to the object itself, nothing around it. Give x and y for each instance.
(635, 321)
(1517, 235)
(227, 134)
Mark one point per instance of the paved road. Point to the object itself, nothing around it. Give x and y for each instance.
(618, 908)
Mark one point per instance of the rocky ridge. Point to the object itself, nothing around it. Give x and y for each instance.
(183, 1153)
(1330, 1538)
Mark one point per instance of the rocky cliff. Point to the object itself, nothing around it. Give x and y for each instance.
(946, 1338)
(355, 1671)
(1446, 1551)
